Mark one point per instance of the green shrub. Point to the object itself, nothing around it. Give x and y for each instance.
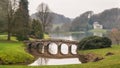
(21, 37)
(94, 42)
(41, 36)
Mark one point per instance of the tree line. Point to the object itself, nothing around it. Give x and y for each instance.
(15, 20)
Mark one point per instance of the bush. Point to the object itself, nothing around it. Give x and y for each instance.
(94, 42)
(21, 37)
(41, 36)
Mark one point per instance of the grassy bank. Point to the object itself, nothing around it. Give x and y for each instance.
(13, 52)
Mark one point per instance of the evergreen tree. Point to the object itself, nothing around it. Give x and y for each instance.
(22, 21)
(37, 29)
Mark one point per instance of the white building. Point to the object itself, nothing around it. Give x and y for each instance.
(96, 25)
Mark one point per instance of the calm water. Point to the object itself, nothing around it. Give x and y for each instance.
(74, 36)
(68, 36)
(51, 61)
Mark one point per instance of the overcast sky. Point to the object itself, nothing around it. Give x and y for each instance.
(73, 8)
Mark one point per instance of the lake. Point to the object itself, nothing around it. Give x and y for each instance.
(70, 36)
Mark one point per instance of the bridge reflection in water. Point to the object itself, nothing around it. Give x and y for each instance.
(53, 52)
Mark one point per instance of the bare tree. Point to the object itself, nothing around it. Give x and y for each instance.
(44, 16)
(11, 6)
(115, 36)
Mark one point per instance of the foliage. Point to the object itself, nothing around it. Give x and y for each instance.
(22, 21)
(7, 10)
(21, 37)
(41, 36)
(2, 16)
(94, 42)
(37, 29)
(81, 23)
(13, 52)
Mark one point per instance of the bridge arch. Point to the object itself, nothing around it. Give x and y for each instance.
(64, 49)
(53, 48)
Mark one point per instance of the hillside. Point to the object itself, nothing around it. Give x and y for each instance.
(109, 18)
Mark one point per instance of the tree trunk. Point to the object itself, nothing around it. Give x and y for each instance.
(9, 36)
(9, 30)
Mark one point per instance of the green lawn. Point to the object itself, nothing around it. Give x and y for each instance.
(4, 37)
(13, 52)
(99, 30)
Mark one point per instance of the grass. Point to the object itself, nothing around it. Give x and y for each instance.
(4, 37)
(99, 30)
(13, 38)
(13, 52)
(46, 36)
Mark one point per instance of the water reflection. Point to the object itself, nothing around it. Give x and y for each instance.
(70, 36)
(51, 61)
(61, 36)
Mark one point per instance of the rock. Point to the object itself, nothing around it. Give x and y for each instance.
(82, 58)
(97, 59)
(109, 53)
(89, 58)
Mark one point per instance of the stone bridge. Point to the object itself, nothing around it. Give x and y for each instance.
(52, 48)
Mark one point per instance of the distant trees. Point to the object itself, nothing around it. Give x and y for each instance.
(81, 23)
(43, 16)
(65, 27)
